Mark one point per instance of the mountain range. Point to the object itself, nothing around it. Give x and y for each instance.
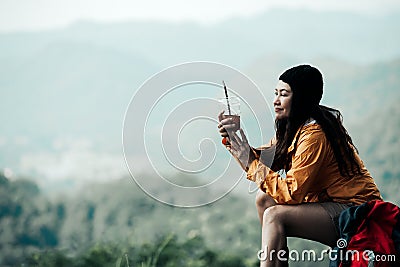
(64, 92)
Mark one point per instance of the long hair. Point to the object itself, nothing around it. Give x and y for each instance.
(306, 83)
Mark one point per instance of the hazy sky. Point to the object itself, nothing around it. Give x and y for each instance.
(46, 14)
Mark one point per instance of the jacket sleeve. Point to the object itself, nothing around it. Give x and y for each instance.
(305, 165)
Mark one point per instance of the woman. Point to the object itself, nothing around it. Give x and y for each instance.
(316, 172)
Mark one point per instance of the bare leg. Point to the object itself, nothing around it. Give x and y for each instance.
(308, 221)
(263, 201)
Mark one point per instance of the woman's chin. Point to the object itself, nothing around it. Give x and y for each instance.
(280, 117)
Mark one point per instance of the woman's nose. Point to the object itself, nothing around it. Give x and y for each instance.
(276, 100)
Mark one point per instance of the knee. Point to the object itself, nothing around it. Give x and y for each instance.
(273, 214)
(260, 199)
(263, 200)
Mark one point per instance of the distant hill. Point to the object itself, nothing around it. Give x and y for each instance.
(97, 67)
(64, 93)
(377, 138)
(75, 83)
(237, 41)
(356, 90)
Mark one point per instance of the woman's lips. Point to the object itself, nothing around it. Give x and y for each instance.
(278, 109)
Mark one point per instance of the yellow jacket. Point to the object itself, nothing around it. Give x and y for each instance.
(314, 174)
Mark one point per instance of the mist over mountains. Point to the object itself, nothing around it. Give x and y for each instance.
(64, 92)
(63, 98)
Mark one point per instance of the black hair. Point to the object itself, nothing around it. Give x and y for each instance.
(306, 83)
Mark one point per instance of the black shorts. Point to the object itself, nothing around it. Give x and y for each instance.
(334, 209)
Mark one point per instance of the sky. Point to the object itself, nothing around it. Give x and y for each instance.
(36, 15)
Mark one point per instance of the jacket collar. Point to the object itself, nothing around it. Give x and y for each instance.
(310, 121)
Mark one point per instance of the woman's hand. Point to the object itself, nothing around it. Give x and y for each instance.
(238, 146)
(226, 125)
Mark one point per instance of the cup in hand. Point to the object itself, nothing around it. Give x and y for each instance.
(232, 112)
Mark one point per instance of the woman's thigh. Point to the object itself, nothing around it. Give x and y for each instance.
(308, 221)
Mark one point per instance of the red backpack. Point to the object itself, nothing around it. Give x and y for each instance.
(370, 236)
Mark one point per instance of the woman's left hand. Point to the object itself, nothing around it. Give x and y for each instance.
(240, 149)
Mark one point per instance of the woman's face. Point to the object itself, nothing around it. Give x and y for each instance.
(282, 100)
